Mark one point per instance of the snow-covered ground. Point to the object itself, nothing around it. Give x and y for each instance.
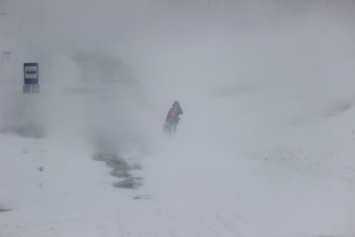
(265, 146)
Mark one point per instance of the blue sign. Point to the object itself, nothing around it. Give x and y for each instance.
(31, 73)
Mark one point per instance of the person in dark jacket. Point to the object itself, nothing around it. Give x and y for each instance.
(172, 118)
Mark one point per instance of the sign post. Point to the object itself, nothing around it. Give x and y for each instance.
(30, 78)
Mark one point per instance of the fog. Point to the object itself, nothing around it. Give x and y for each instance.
(109, 70)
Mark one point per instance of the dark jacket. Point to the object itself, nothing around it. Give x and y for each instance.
(173, 114)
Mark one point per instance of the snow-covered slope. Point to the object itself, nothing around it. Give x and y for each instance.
(265, 146)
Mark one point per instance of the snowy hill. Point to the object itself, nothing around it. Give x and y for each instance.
(265, 146)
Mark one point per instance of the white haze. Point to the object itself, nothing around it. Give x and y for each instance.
(266, 78)
(201, 53)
